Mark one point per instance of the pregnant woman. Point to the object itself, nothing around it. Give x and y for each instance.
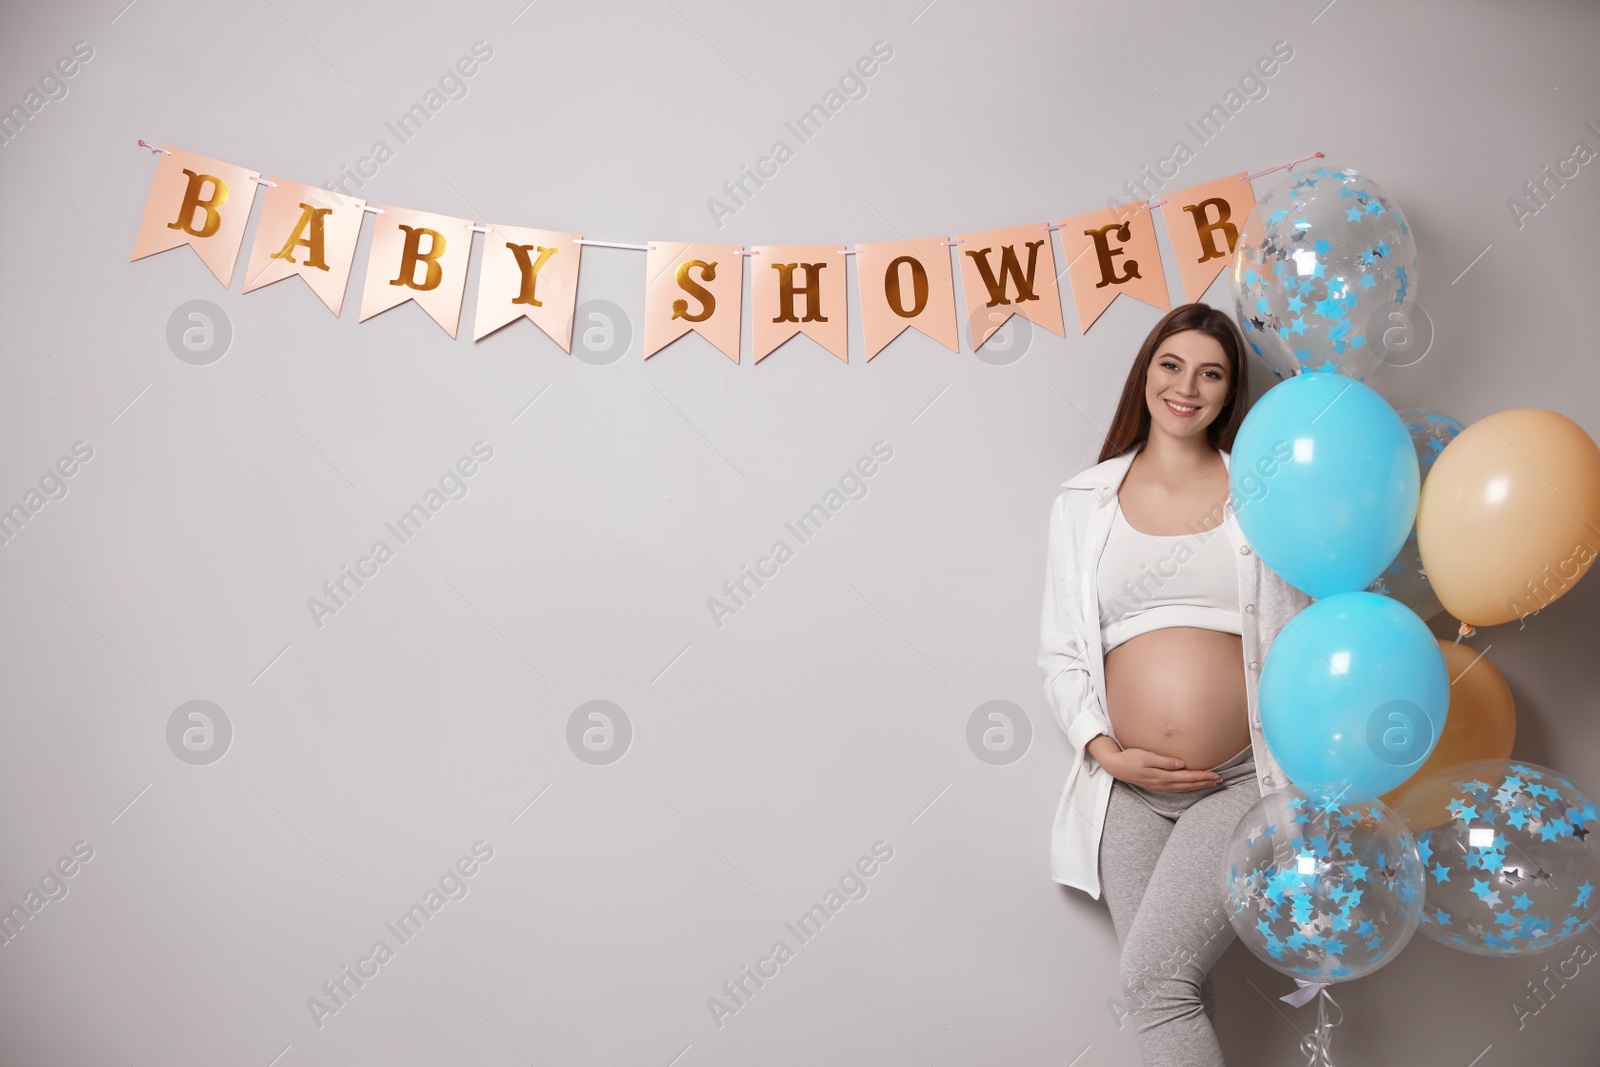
(1157, 617)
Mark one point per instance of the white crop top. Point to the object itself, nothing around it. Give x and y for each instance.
(1150, 581)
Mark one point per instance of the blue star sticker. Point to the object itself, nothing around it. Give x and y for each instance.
(1441, 873)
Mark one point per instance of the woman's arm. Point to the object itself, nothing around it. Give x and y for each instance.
(1068, 685)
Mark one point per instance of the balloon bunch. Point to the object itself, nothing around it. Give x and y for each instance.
(1386, 519)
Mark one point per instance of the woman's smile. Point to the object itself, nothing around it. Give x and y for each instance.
(1181, 410)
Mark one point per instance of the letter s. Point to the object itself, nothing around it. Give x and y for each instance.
(87, 452)
(84, 851)
(483, 850)
(487, 452)
(83, 50)
(886, 853)
(883, 50)
(887, 451)
(1283, 50)
(486, 53)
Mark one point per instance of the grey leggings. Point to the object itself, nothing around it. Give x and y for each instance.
(1161, 871)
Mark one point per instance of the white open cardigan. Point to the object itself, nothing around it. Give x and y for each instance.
(1074, 664)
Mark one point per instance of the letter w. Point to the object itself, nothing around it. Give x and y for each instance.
(1009, 271)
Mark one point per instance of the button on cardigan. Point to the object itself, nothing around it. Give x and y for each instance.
(1074, 665)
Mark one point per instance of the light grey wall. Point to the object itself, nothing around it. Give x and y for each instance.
(830, 712)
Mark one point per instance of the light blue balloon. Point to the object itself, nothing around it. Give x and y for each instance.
(1354, 693)
(1324, 482)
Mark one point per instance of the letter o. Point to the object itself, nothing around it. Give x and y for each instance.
(919, 287)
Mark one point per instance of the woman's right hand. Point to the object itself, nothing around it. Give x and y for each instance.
(1141, 767)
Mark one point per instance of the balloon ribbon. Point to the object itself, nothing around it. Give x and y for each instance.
(1315, 1045)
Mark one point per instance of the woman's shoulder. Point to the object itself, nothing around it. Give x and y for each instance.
(1102, 475)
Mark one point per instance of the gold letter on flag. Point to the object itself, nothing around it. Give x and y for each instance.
(692, 287)
(1009, 272)
(1110, 252)
(906, 283)
(1203, 224)
(306, 231)
(417, 255)
(200, 202)
(528, 272)
(798, 289)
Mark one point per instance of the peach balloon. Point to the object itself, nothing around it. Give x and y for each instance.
(1481, 724)
(1509, 517)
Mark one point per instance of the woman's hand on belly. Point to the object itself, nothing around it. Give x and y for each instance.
(1138, 766)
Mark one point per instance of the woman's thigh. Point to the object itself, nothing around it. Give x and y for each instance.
(1182, 927)
(1130, 846)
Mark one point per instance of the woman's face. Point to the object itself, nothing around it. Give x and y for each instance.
(1187, 383)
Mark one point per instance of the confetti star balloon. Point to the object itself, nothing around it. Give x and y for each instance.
(1515, 867)
(1405, 579)
(1320, 887)
(1321, 267)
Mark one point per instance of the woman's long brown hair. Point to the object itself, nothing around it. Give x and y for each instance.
(1131, 424)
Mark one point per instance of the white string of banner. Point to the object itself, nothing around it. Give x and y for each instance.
(1149, 205)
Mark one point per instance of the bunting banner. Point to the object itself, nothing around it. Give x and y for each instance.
(797, 289)
(532, 273)
(906, 285)
(1111, 252)
(693, 287)
(794, 290)
(295, 222)
(199, 202)
(1204, 226)
(1005, 273)
(417, 255)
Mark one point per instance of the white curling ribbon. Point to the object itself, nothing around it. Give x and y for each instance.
(1305, 994)
(1315, 1046)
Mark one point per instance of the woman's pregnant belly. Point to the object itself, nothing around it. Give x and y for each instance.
(1180, 691)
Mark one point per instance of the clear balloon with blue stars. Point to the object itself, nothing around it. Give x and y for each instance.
(1404, 579)
(1322, 887)
(1321, 267)
(1513, 856)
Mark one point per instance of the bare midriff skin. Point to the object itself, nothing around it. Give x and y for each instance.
(1179, 691)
